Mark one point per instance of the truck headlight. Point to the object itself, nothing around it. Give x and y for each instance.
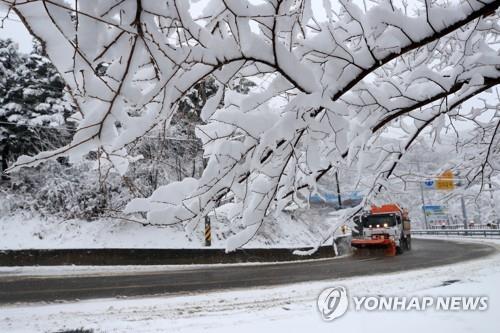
(386, 225)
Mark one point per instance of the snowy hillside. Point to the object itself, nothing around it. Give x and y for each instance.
(24, 231)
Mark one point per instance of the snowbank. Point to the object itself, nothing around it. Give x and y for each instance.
(19, 231)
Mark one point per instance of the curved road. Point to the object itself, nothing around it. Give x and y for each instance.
(425, 253)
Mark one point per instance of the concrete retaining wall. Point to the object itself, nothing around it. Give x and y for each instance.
(151, 256)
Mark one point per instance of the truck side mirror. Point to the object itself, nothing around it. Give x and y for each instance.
(358, 228)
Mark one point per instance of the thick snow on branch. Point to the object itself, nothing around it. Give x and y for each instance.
(329, 86)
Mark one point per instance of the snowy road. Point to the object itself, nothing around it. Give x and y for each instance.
(285, 308)
(425, 253)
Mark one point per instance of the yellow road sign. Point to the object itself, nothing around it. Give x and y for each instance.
(446, 181)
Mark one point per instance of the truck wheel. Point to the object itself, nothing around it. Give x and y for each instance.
(402, 246)
(408, 243)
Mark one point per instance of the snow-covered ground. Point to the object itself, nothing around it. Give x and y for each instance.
(303, 228)
(290, 308)
(80, 270)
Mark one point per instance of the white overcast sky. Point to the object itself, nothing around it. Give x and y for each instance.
(15, 30)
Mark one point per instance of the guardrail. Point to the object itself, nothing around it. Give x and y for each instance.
(487, 226)
(491, 233)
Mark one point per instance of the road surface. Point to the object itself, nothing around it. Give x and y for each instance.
(425, 253)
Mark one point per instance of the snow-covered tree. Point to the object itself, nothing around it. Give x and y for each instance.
(333, 76)
(9, 60)
(33, 103)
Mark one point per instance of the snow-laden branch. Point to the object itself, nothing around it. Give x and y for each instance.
(329, 86)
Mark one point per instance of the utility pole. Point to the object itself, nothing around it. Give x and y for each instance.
(480, 218)
(422, 197)
(338, 190)
(492, 204)
(464, 212)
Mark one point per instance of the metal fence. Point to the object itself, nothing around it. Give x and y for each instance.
(461, 226)
(488, 233)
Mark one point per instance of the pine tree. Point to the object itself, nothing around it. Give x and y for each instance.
(9, 61)
(33, 103)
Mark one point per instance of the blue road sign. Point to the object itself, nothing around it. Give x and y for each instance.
(429, 184)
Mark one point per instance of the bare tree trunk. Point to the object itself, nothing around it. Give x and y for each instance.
(5, 157)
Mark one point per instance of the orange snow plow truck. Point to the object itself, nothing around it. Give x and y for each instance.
(384, 228)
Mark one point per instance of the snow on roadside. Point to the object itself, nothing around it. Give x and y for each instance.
(290, 308)
(300, 229)
(73, 270)
(33, 232)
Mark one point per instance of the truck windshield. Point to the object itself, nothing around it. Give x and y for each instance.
(379, 221)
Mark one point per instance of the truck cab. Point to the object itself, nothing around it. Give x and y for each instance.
(386, 227)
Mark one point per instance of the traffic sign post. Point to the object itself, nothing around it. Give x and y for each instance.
(444, 182)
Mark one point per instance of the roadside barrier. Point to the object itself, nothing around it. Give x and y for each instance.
(487, 233)
(152, 256)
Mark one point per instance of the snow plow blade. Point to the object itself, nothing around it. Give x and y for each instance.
(374, 246)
